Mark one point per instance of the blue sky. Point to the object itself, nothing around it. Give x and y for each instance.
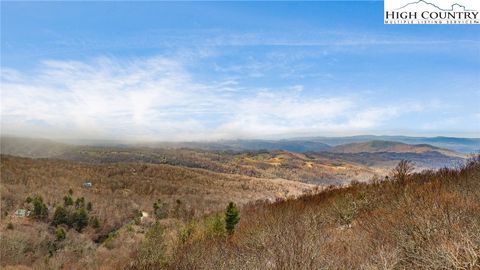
(221, 70)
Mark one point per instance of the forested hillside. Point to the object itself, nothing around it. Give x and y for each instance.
(428, 220)
(96, 204)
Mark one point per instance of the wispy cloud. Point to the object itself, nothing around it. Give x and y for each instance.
(158, 99)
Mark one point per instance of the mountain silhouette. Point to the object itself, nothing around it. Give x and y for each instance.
(433, 5)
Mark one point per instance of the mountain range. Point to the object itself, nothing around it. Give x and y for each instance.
(318, 160)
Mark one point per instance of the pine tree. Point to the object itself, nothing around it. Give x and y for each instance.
(40, 210)
(232, 217)
(67, 200)
(80, 203)
(79, 219)
(60, 216)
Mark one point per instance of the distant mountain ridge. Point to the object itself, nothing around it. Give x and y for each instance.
(45, 148)
(308, 161)
(463, 145)
(378, 146)
(300, 146)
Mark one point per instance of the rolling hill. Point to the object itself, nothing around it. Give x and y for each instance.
(463, 145)
(120, 192)
(324, 166)
(389, 146)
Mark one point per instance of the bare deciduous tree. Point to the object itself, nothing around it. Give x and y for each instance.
(402, 170)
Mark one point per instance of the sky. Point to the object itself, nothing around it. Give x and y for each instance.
(173, 71)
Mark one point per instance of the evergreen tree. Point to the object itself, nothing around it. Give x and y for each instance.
(80, 203)
(60, 216)
(79, 219)
(232, 217)
(67, 200)
(40, 210)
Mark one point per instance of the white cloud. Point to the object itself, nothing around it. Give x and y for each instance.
(157, 99)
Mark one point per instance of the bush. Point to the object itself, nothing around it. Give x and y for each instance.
(9, 226)
(152, 252)
(216, 226)
(108, 243)
(187, 231)
(160, 209)
(94, 223)
(60, 234)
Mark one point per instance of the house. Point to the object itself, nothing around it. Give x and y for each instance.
(22, 213)
(87, 184)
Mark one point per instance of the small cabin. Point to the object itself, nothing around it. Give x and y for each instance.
(22, 213)
(87, 184)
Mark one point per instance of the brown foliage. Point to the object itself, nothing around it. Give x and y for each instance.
(428, 220)
(120, 192)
